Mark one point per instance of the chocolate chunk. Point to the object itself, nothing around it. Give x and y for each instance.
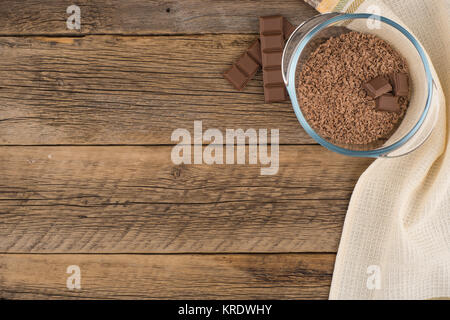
(271, 30)
(270, 25)
(236, 77)
(255, 52)
(288, 28)
(377, 87)
(272, 43)
(245, 67)
(399, 82)
(275, 94)
(387, 102)
(272, 59)
(273, 78)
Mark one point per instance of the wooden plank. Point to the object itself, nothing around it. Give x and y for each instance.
(254, 276)
(133, 199)
(31, 17)
(128, 90)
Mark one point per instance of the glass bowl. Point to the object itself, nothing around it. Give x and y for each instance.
(421, 115)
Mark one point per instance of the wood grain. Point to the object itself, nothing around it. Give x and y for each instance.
(128, 90)
(261, 276)
(31, 17)
(133, 199)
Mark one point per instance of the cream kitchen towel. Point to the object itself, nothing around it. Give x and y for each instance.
(396, 238)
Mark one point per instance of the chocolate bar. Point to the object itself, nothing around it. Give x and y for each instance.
(243, 70)
(387, 102)
(399, 82)
(245, 67)
(272, 37)
(377, 87)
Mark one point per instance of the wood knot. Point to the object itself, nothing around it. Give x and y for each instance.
(176, 172)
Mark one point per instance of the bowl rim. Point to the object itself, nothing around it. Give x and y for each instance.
(292, 67)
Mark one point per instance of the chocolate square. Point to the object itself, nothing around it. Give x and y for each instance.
(271, 24)
(272, 59)
(272, 43)
(273, 77)
(377, 87)
(387, 102)
(275, 94)
(399, 82)
(255, 52)
(288, 28)
(247, 65)
(236, 77)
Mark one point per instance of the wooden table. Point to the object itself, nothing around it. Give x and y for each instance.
(86, 176)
